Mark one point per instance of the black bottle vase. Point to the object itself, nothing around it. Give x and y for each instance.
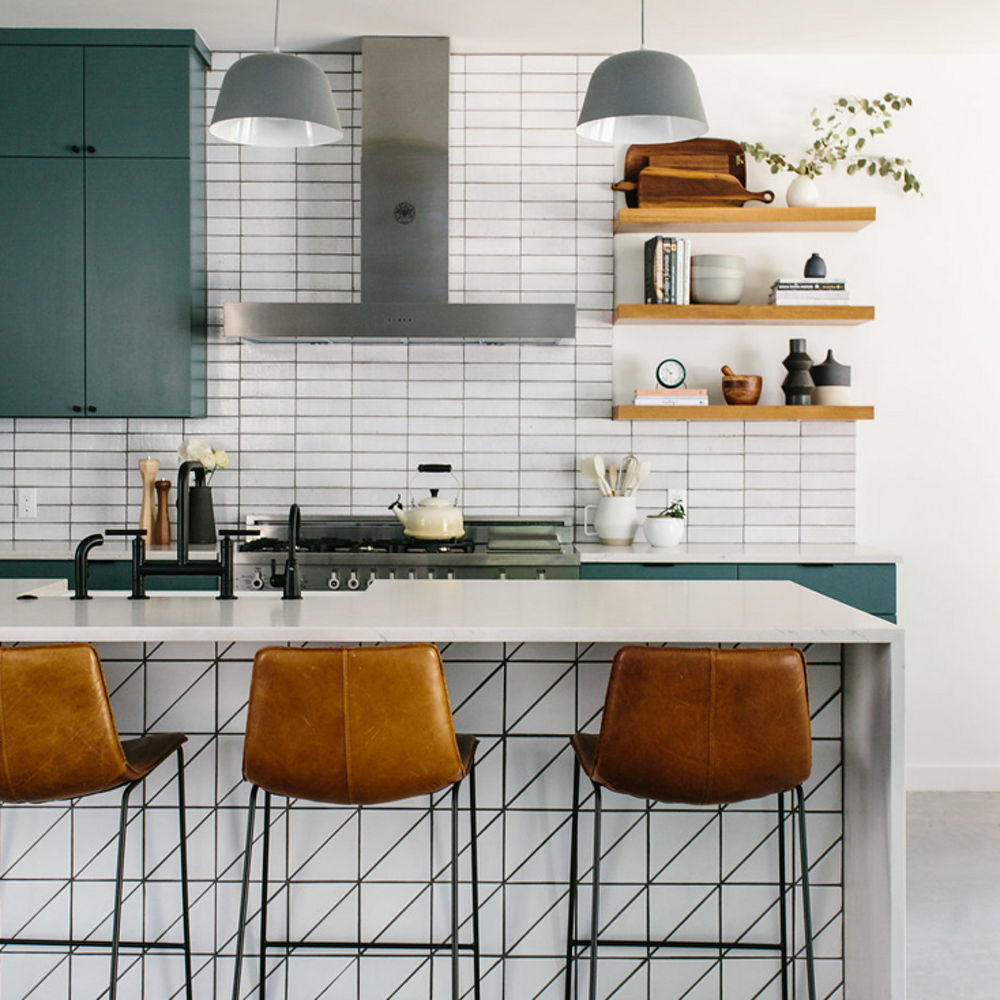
(798, 384)
(201, 516)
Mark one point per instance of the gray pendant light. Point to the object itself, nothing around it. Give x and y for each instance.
(642, 96)
(276, 99)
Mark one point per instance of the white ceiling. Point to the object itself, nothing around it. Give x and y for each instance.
(706, 26)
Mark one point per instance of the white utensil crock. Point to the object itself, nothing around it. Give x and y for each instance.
(615, 521)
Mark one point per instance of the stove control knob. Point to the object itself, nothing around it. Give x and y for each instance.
(451, 574)
(541, 574)
(431, 574)
(413, 574)
(503, 574)
(392, 574)
(371, 579)
(334, 582)
(257, 582)
(352, 581)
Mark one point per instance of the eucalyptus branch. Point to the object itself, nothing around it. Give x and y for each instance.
(842, 136)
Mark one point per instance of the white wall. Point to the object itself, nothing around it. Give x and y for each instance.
(927, 467)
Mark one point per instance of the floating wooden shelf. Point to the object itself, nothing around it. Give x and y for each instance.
(745, 219)
(743, 413)
(635, 313)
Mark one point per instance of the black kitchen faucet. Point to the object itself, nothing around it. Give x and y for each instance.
(183, 565)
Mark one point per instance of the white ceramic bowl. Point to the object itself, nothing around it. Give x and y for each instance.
(716, 291)
(718, 260)
(662, 532)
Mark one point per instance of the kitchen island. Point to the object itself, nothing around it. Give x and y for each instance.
(527, 663)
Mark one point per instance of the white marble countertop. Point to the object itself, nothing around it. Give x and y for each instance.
(641, 552)
(454, 610)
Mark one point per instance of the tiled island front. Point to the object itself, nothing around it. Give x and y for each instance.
(527, 664)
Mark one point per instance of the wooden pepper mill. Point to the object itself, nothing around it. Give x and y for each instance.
(161, 530)
(148, 467)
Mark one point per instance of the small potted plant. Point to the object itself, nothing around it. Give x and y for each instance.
(842, 136)
(667, 527)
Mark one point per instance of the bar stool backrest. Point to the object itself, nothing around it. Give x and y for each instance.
(58, 737)
(705, 725)
(352, 725)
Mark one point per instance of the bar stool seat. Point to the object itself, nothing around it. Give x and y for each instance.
(58, 740)
(703, 727)
(355, 726)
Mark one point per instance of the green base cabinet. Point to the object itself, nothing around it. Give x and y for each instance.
(869, 587)
(102, 204)
(103, 575)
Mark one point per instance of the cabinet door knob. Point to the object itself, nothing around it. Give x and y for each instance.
(90, 149)
(74, 149)
(91, 409)
(78, 409)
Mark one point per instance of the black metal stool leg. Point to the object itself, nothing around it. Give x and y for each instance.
(244, 893)
(595, 901)
(264, 867)
(806, 900)
(573, 875)
(185, 899)
(474, 849)
(782, 901)
(454, 890)
(116, 920)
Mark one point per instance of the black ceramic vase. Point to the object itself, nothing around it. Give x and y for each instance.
(201, 516)
(815, 267)
(798, 384)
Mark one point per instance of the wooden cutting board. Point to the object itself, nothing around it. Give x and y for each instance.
(699, 171)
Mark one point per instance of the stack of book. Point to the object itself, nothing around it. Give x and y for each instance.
(670, 397)
(808, 292)
(668, 271)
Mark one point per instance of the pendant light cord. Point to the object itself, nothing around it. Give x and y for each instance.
(642, 30)
(277, 5)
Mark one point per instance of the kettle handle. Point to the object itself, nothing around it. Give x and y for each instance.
(586, 526)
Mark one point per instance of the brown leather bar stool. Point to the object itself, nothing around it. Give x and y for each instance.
(704, 727)
(355, 726)
(58, 740)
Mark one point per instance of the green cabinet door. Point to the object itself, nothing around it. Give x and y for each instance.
(869, 587)
(139, 337)
(138, 100)
(41, 100)
(657, 571)
(41, 286)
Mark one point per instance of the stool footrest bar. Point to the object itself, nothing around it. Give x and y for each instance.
(714, 945)
(364, 945)
(71, 943)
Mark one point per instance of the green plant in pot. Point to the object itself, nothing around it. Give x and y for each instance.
(667, 527)
(842, 136)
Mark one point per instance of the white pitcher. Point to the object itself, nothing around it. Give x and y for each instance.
(615, 521)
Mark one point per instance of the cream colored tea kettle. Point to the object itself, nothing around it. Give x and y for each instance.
(434, 518)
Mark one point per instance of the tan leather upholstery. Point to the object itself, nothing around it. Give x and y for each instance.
(354, 725)
(702, 725)
(57, 735)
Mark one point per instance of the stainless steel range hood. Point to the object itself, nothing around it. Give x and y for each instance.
(404, 224)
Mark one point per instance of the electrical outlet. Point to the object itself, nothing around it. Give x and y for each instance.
(27, 504)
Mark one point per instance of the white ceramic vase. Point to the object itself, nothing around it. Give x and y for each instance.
(803, 192)
(662, 532)
(615, 521)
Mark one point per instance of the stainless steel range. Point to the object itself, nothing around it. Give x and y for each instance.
(349, 553)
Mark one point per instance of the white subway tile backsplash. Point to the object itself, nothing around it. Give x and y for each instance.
(338, 427)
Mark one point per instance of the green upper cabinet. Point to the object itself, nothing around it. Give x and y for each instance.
(41, 321)
(138, 101)
(102, 203)
(41, 110)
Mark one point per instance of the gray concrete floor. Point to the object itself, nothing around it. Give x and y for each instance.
(953, 896)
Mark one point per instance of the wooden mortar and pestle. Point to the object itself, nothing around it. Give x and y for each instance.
(740, 390)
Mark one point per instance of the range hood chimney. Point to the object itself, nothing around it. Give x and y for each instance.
(404, 224)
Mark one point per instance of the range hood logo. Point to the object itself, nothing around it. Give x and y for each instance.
(404, 213)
